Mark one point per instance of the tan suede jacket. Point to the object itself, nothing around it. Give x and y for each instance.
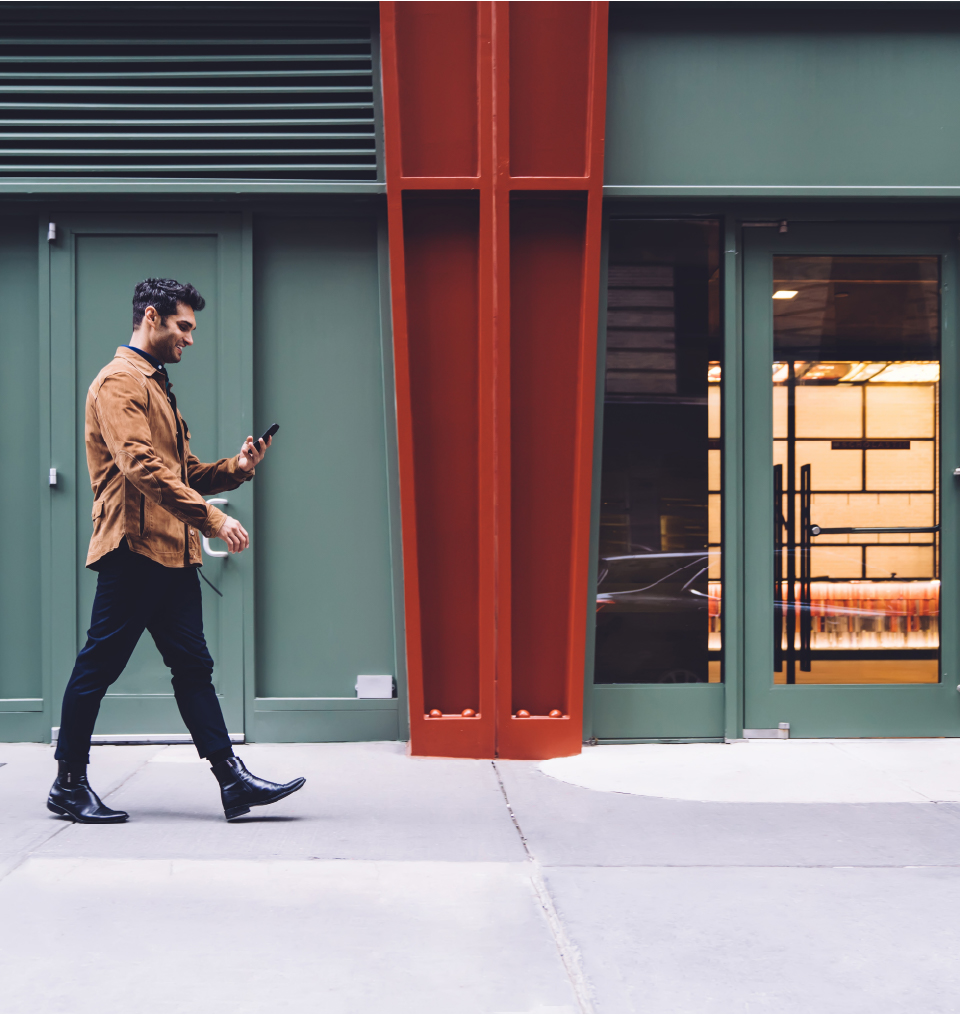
(144, 491)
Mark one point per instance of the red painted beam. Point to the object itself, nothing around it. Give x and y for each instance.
(493, 129)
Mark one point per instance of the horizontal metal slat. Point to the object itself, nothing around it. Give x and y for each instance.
(173, 89)
(160, 76)
(231, 122)
(179, 58)
(221, 106)
(181, 43)
(184, 136)
(153, 152)
(60, 167)
(290, 108)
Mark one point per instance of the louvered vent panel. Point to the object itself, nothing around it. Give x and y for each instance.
(256, 104)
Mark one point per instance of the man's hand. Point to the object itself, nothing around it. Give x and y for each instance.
(234, 535)
(250, 458)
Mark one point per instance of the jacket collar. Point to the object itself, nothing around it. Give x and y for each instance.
(143, 365)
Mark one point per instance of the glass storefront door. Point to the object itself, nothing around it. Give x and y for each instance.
(850, 444)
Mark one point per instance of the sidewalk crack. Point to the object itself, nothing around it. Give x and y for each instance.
(65, 825)
(569, 953)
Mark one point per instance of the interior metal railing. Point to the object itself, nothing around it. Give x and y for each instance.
(792, 614)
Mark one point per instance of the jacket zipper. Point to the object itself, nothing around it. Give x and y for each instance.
(142, 499)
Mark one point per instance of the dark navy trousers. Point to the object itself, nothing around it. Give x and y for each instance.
(135, 594)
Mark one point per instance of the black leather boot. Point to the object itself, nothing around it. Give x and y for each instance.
(239, 790)
(71, 797)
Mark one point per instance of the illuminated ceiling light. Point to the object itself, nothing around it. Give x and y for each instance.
(785, 294)
(853, 370)
(863, 371)
(827, 370)
(918, 372)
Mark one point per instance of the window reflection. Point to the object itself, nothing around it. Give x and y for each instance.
(659, 590)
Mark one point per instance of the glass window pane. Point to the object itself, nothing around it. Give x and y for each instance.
(660, 577)
(856, 463)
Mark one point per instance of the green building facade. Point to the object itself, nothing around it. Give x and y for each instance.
(811, 149)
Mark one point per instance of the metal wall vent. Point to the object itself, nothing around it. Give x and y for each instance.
(244, 104)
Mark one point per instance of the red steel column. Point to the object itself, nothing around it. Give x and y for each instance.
(493, 128)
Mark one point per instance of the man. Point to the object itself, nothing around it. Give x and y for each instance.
(148, 511)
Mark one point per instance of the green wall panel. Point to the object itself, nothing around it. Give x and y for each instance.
(23, 478)
(23, 728)
(683, 711)
(324, 726)
(324, 607)
(783, 109)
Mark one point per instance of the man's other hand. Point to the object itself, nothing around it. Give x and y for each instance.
(250, 458)
(234, 535)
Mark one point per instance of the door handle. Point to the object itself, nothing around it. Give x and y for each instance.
(816, 530)
(207, 548)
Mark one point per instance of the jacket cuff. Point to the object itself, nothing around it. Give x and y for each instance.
(214, 523)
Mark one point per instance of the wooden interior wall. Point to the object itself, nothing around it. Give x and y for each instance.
(493, 132)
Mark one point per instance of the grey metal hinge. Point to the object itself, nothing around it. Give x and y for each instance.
(51, 232)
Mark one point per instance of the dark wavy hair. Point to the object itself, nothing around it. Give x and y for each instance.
(163, 294)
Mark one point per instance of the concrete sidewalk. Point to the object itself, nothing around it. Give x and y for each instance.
(396, 884)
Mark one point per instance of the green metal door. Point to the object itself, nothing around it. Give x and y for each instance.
(850, 445)
(88, 272)
(329, 575)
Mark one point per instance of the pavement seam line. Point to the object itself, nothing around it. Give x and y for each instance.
(569, 953)
(65, 825)
(127, 778)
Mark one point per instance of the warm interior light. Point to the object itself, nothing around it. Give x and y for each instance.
(785, 294)
(827, 371)
(918, 372)
(863, 371)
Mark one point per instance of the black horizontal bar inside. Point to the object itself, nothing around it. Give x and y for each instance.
(870, 445)
(867, 655)
(867, 530)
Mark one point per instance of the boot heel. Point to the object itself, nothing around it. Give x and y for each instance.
(235, 812)
(59, 810)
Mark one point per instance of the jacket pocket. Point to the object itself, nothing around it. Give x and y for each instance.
(96, 512)
(142, 512)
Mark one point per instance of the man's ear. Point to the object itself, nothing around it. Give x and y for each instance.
(151, 315)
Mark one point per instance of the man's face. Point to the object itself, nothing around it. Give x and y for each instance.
(170, 336)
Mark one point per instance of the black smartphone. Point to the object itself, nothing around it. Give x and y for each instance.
(267, 433)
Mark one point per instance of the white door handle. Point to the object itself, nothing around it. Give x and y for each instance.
(207, 548)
